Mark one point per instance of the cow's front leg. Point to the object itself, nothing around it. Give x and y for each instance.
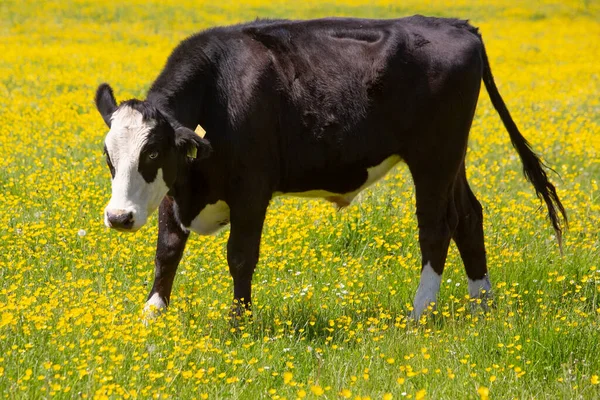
(169, 249)
(242, 252)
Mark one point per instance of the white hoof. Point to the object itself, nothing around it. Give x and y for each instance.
(429, 287)
(153, 308)
(481, 289)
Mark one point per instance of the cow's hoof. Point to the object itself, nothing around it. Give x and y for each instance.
(422, 307)
(418, 312)
(239, 315)
(484, 302)
(154, 307)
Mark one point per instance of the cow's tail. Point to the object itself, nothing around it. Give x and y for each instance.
(533, 168)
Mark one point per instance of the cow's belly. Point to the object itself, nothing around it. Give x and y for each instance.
(215, 216)
(374, 174)
(211, 219)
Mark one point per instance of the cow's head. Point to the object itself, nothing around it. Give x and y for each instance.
(144, 153)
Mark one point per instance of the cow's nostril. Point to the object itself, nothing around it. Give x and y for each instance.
(128, 220)
(120, 220)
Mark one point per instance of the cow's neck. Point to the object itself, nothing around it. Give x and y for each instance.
(196, 186)
(189, 101)
(180, 108)
(185, 99)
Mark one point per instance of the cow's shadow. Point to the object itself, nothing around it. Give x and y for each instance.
(316, 327)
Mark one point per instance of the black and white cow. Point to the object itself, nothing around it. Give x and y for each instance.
(319, 108)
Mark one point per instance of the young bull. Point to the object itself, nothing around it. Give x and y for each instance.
(318, 108)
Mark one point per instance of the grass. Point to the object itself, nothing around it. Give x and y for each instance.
(333, 289)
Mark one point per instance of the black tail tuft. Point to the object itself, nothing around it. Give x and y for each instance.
(533, 168)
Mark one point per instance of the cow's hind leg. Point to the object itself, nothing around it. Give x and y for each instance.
(469, 239)
(436, 215)
(169, 250)
(436, 161)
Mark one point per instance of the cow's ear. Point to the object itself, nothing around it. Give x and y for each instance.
(105, 102)
(190, 144)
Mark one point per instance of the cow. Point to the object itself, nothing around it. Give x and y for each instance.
(318, 108)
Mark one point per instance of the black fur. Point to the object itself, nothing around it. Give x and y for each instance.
(105, 102)
(111, 167)
(186, 138)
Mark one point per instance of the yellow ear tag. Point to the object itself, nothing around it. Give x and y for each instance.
(193, 151)
(200, 131)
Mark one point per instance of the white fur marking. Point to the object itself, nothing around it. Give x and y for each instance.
(375, 173)
(429, 287)
(154, 306)
(211, 219)
(477, 286)
(130, 192)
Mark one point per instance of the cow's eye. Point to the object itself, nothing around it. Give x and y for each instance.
(153, 155)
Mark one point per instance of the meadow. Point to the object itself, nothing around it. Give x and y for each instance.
(333, 290)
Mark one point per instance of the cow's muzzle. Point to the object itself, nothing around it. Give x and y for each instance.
(120, 219)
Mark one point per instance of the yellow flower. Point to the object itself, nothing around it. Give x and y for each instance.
(187, 374)
(483, 392)
(317, 390)
(595, 380)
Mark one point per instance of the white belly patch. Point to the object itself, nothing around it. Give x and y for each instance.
(375, 173)
(211, 219)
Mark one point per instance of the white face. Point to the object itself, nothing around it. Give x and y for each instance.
(133, 198)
